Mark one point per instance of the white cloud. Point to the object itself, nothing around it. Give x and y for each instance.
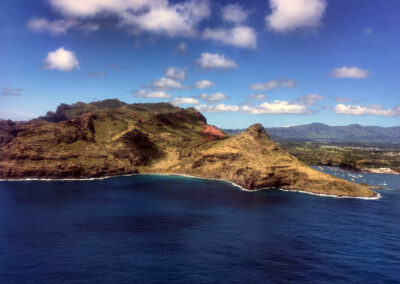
(273, 84)
(57, 27)
(257, 97)
(289, 15)
(8, 91)
(181, 49)
(215, 61)
(276, 107)
(310, 99)
(184, 101)
(166, 84)
(176, 73)
(61, 59)
(239, 36)
(151, 94)
(213, 97)
(204, 84)
(350, 72)
(217, 108)
(366, 110)
(154, 16)
(234, 13)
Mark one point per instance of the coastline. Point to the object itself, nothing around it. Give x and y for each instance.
(190, 176)
(127, 175)
(378, 195)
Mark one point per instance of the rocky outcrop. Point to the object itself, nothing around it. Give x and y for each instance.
(112, 138)
(211, 132)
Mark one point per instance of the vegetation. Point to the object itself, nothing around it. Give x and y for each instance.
(355, 156)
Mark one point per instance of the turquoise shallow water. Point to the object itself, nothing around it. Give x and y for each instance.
(162, 229)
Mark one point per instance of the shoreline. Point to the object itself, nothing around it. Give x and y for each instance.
(197, 177)
(378, 196)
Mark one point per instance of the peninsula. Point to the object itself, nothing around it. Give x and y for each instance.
(110, 137)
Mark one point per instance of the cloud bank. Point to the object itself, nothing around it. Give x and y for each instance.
(154, 16)
(377, 110)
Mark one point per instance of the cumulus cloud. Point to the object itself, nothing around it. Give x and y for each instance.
(290, 15)
(57, 27)
(273, 84)
(204, 84)
(311, 99)
(350, 72)
(178, 101)
(239, 36)
(176, 73)
(8, 91)
(366, 110)
(257, 97)
(217, 108)
(181, 49)
(151, 94)
(61, 59)
(213, 97)
(215, 61)
(154, 16)
(234, 13)
(276, 107)
(97, 74)
(166, 84)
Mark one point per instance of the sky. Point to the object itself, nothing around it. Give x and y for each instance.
(277, 62)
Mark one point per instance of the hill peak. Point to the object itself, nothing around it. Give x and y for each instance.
(257, 130)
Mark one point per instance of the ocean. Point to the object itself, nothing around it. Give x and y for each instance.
(174, 229)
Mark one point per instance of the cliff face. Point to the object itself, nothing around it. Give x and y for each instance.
(111, 138)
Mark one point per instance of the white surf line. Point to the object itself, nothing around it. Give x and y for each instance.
(215, 179)
(332, 195)
(65, 179)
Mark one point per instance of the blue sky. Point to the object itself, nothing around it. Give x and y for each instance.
(278, 62)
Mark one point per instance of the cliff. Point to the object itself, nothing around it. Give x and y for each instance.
(113, 138)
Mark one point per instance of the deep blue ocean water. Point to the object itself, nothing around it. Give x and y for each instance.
(169, 229)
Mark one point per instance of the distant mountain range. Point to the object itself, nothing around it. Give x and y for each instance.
(319, 132)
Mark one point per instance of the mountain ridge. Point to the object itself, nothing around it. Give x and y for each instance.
(319, 132)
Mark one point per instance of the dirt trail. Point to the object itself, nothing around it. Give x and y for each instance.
(119, 135)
